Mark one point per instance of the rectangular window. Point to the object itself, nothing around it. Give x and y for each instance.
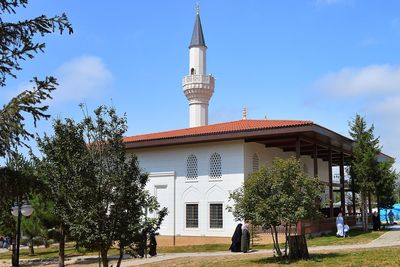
(192, 215)
(216, 219)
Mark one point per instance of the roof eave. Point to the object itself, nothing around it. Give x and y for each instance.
(212, 137)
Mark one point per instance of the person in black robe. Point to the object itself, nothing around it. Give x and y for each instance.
(153, 245)
(376, 221)
(236, 239)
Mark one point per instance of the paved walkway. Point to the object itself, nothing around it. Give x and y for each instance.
(389, 239)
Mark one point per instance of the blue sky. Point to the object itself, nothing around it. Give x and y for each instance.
(320, 60)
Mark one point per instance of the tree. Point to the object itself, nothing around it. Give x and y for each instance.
(385, 185)
(65, 169)
(100, 184)
(364, 162)
(281, 195)
(397, 190)
(18, 183)
(42, 221)
(18, 42)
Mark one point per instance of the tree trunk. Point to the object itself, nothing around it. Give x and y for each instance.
(121, 255)
(364, 211)
(378, 203)
(61, 247)
(276, 242)
(287, 234)
(298, 247)
(104, 256)
(31, 249)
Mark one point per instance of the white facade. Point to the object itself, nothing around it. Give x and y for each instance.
(174, 182)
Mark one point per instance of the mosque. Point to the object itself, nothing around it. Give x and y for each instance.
(193, 170)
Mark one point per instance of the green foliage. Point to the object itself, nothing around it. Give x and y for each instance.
(118, 199)
(385, 184)
(397, 189)
(365, 152)
(66, 170)
(280, 195)
(98, 188)
(367, 173)
(19, 42)
(41, 223)
(17, 183)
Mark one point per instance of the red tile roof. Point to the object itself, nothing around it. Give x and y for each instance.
(220, 128)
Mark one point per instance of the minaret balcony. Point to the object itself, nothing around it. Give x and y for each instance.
(206, 82)
(198, 89)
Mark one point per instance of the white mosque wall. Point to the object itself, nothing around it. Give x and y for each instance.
(168, 181)
(167, 167)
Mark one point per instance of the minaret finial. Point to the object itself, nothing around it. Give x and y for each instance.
(197, 7)
(244, 113)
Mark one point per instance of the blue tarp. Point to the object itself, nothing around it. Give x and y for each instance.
(396, 211)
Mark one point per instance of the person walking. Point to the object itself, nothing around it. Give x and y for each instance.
(245, 240)
(153, 245)
(340, 225)
(236, 239)
(391, 217)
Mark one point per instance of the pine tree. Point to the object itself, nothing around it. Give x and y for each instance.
(18, 42)
(364, 163)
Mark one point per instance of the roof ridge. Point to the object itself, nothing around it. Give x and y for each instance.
(225, 127)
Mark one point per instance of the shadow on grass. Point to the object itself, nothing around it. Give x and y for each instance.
(313, 258)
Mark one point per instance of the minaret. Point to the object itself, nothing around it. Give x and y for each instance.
(198, 86)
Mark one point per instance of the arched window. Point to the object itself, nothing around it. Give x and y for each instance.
(215, 166)
(256, 163)
(192, 71)
(191, 168)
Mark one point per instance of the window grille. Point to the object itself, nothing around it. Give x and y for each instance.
(191, 168)
(192, 215)
(215, 166)
(216, 217)
(256, 163)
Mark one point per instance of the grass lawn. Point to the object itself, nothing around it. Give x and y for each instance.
(370, 257)
(52, 252)
(356, 237)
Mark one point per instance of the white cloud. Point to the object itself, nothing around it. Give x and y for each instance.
(81, 78)
(372, 79)
(382, 84)
(386, 115)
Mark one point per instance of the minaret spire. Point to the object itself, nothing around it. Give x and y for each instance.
(197, 35)
(198, 86)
